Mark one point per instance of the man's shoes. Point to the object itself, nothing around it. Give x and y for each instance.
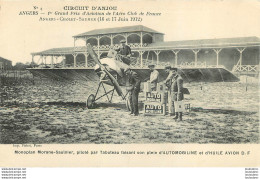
(136, 114)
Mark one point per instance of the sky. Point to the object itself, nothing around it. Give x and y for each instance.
(20, 35)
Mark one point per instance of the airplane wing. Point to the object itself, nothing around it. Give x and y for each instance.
(115, 65)
(113, 80)
(193, 75)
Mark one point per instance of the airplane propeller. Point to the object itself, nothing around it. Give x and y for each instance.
(111, 77)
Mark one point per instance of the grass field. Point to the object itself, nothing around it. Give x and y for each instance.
(50, 112)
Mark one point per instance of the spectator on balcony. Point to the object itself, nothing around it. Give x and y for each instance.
(124, 52)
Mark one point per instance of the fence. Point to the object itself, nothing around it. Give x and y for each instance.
(11, 77)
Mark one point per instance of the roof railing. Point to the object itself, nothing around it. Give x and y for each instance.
(245, 68)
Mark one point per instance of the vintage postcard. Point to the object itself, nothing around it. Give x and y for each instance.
(112, 83)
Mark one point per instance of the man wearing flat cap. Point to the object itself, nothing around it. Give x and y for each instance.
(124, 52)
(174, 82)
(153, 77)
(133, 89)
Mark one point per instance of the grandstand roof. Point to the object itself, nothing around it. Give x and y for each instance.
(115, 30)
(186, 44)
(208, 43)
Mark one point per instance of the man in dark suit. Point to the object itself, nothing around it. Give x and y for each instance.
(175, 88)
(124, 52)
(133, 89)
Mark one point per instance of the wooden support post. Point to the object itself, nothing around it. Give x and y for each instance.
(56, 59)
(152, 59)
(32, 59)
(240, 51)
(141, 58)
(41, 58)
(75, 59)
(44, 59)
(217, 52)
(157, 56)
(52, 62)
(111, 37)
(86, 41)
(176, 56)
(196, 51)
(64, 61)
(86, 59)
(141, 38)
(75, 41)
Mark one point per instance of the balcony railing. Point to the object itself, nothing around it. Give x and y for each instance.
(107, 47)
(245, 68)
(193, 64)
(137, 63)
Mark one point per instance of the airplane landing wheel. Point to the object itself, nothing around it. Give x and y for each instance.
(91, 101)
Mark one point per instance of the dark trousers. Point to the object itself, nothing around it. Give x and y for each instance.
(133, 98)
(154, 86)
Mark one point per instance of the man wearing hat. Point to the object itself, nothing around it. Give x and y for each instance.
(153, 77)
(174, 82)
(124, 52)
(133, 89)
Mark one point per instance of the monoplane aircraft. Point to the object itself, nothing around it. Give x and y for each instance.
(111, 71)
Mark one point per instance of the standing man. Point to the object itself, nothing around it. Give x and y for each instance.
(134, 90)
(124, 52)
(153, 77)
(174, 82)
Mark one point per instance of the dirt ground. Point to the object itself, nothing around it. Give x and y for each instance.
(51, 112)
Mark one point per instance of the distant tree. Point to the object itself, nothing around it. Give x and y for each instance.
(20, 66)
(30, 64)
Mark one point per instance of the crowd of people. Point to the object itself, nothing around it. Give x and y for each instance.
(174, 83)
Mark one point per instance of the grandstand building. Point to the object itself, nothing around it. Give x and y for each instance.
(239, 55)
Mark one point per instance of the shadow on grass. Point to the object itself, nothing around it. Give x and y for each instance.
(69, 104)
(120, 105)
(223, 111)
